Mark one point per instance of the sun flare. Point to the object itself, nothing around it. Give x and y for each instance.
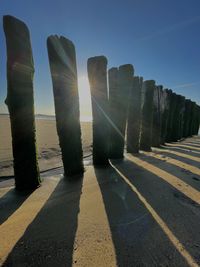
(84, 98)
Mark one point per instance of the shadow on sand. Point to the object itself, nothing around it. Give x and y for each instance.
(10, 202)
(137, 237)
(49, 239)
(179, 212)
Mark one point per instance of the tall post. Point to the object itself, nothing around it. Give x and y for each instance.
(191, 122)
(62, 60)
(125, 81)
(187, 115)
(147, 115)
(181, 117)
(114, 104)
(20, 102)
(97, 74)
(134, 116)
(156, 127)
(164, 114)
(177, 125)
(172, 107)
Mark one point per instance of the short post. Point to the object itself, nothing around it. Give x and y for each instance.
(147, 115)
(62, 60)
(20, 102)
(97, 74)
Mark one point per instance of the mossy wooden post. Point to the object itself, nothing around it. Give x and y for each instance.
(62, 60)
(97, 74)
(134, 116)
(114, 105)
(147, 116)
(125, 85)
(20, 102)
(164, 114)
(156, 126)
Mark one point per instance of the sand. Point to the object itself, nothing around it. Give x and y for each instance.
(141, 211)
(47, 143)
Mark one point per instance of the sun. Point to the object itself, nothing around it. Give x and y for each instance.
(84, 98)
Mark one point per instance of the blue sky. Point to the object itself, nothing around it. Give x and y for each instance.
(160, 38)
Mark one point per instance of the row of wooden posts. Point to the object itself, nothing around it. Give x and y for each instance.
(134, 110)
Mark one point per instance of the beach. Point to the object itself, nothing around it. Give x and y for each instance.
(143, 210)
(49, 153)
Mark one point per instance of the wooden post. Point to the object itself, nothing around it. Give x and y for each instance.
(164, 114)
(125, 76)
(156, 127)
(147, 116)
(134, 116)
(187, 115)
(62, 60)
(97, 74)
(114, 104)
(20, 102)
(172, 106)
(177, 125)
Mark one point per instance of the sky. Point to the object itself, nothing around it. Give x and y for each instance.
(160, 38)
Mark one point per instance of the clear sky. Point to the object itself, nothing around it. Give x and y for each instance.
(161, 38)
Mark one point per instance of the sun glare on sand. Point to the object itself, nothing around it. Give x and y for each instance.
(85, 99)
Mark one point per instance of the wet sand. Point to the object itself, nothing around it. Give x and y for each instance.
(142, 211)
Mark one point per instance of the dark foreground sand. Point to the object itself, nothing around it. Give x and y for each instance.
(142, 211)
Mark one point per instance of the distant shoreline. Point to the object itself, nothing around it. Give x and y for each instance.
(48, 117)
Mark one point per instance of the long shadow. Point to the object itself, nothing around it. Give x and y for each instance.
(137, 238)
(192, 144)
(179, 212)
(180, 145)
(182, 150)
(180, 157)
(181, 173)
(49, 239)
(10, 202)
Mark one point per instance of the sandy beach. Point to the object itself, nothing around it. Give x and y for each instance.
(140, 211)
(47, 143)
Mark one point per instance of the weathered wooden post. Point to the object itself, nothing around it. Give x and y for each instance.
(172, 107)
(125, 85)
(97, 74)
(156, 126)
(147, 115)
(187, 118)
(62, 60)
(195, 126)
(191, 122)
(134, 116)
(178, 118)
(114, 104)
(164, 114)
(20, 102)
(181, 117)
